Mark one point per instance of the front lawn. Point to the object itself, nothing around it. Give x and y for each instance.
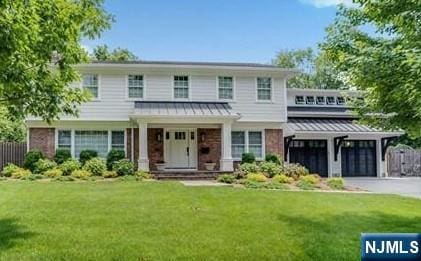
(166, 220)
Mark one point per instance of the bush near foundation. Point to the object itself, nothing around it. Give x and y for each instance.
(86, 155)
(43, 165)
(114, 156)
(32, 157)
(96, 166)
(124, 167)
(335, 183)
(295, 171)
(62, 155)
(9, 169)
(69, 166)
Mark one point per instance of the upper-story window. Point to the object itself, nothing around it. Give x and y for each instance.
(340, 100)
(330, 100)
(181, 87)
(310, 100)
(225, 87)
(90, 83)
(320, 100)
(135, 85)
(299, 100)
(264, 89)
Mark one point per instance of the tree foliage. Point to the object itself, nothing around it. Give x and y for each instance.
(10, 130)
(386, 65)
(39, 44)
(315, 70)
(102, 53)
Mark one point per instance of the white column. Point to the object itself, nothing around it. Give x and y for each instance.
(381, 165)
(226, 163)
(143, 163)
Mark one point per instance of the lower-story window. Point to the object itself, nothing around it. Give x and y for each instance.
(246, 141)
(101, 141)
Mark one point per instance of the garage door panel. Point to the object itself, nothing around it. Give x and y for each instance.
(312, 154)
(358, 158)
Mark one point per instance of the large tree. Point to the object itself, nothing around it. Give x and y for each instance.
(10, 129)
(102, 53)
(316, 71)
(39, 44)
(385, 64)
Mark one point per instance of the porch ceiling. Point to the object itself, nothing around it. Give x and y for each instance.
(183, 109)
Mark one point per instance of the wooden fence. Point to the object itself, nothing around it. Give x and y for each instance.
(404, 163)
(12, 152)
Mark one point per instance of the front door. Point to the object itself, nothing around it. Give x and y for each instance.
(180, 149)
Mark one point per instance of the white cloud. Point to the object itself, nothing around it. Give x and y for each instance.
(327, 3)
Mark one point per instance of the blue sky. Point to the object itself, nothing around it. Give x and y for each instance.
(216, 30)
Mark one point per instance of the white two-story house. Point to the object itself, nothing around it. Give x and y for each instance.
(187, 114)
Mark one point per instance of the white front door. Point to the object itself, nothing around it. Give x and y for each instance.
(181, 149)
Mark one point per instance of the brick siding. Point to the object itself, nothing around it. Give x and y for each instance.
(213, 142)
(43, 139)
(274, 141)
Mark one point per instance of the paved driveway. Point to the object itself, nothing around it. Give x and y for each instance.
(401, 186)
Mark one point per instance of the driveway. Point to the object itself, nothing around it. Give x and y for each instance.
(401, 186)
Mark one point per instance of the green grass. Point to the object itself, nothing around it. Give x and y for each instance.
(165, 220)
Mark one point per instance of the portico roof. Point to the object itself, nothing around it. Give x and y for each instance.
(184, 109)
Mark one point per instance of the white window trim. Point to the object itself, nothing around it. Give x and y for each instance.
(257, 90)
(233, 88)
(127, 87)
(72, 137)
(189, 91)
(246, 149)
(99, 85)
(300, 103)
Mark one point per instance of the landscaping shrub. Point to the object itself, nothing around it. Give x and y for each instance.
(62, 155)
(43, 165)
(253, 184)
(307, 182)
(21, 173)
(249, 168)
(248, 158)
(275, 185)
(96, 166)
(141, 174)
(69, 166)
(9, 169)
(86, 155)
(335, 183)
(109, 174)
(81, 174)
(53, 173)
(114, 156)
(257, 177)
(277, 159)
(226, 178)
(270, 168)
(295, 171)
(32, 157)
(282, 179)
(124, 167)
(33, 177)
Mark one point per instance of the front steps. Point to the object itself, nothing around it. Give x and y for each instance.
(186, 175)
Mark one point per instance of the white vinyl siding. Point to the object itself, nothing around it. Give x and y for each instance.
(225, 88)
(135, 86)
(90, 83)
(181, 87)
(246, 142)
(264, 89)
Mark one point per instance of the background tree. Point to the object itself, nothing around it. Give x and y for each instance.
(39, 44)
(102, 53)
(386, 65)
(10, 130)
(316, 71)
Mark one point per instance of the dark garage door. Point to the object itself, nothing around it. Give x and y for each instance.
(310, 153)
(358, 158)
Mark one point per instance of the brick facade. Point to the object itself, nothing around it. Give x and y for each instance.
(155, 147)
(212, 140)
(129, 144)
(274, 141)
(43, 139)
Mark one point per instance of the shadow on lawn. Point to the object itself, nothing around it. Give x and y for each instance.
(337, 237)
(10, 232)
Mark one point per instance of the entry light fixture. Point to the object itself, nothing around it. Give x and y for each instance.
(202, 136)
(158, 137)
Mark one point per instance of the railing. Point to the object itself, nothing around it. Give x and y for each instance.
(12, 152)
